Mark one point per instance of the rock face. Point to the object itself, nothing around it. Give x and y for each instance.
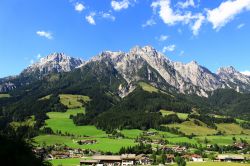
(56, 62)
(234, 79)
(145, 64)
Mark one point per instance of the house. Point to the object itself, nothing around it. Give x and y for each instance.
(196, 158)
(229, 158)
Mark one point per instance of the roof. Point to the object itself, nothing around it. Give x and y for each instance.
(224, 156)
(128, 156)
(89, 161)
(106, 157)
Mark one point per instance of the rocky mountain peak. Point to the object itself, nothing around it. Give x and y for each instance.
(55, 57)
(227, 70)
(56, 62)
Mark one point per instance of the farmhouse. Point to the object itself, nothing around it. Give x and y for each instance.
(228, 158)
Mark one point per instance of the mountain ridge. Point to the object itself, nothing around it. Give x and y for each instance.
(157, 69)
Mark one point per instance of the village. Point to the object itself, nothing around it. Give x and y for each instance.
(161, 155)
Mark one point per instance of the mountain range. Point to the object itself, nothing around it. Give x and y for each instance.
(139, 64)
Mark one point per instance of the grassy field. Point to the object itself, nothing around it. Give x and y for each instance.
(183, 116)
(182, 140)
(103, 144)
(3, 95)
(73, 101)
(223, 140)
(61, 121)
(45, 97)
(65, 162)
(148, 87)
(215, 164)
(231, 129)
(28, 122)
(133, 133)
(162, 134)
(188, 127)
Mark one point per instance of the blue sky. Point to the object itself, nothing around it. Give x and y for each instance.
(213, 33)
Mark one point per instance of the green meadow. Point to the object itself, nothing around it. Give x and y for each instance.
(188, 127)
(73, 101)
(177, 140)
(65, 162)
(231, 128)
(132, 133)
(104, 144)
(4, 95)
(28, 122)
(183, 116)
(223, 140)
(60, 121)
(148, 87)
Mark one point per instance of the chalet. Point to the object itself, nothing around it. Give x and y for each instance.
(229, 158)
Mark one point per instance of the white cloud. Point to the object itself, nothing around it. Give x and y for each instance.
(119, 5)
(45, 34)
(240, 26)
(247, 72)
(170, 17)
(163, 38)
(79, 7)
(107, 16)
(167, 14)
(197, 24)
(226, 12)
(90, 18)
(149, 22)
(186, 4)
(169, 48)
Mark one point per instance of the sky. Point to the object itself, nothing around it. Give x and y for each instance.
(214, 33)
